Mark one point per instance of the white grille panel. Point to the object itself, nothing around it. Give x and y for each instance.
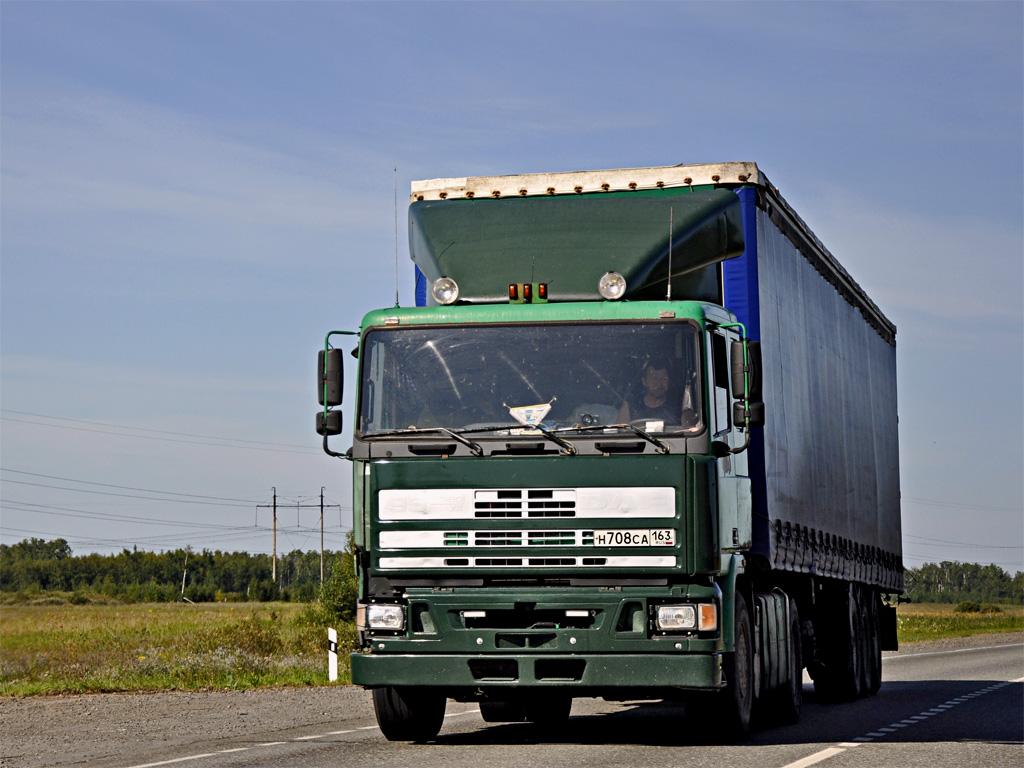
(489, 538)
(526, 503)
(527, 561)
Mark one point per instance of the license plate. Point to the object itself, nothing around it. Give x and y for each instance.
(635, 537)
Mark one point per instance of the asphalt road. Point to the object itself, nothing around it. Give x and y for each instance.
(937, 707)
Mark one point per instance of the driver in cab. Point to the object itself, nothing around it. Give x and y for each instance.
(654, 402)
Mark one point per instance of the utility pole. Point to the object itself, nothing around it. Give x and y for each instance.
(299, 506)
(321, 535)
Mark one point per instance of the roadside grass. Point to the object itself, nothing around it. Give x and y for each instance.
(938, 621)
(79, 648)
(161, 646)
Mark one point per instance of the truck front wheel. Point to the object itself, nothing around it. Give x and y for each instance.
(738, 696)
(785, 703)
(408, 714)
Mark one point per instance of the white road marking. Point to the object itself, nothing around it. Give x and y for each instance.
(881, 733)
(817, 757)
(946, 653)
(175, 760)
(277, 743)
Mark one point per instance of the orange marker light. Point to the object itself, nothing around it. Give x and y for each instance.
(708, 617)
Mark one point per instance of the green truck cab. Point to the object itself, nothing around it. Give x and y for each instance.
(558, 464)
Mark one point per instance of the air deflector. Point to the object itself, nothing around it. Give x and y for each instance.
(569, 241)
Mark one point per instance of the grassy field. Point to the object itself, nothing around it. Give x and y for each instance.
(49, 649)
(57, 648)
(934, 621)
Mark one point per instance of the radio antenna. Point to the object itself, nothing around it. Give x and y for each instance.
(668, 294)
(396, 237)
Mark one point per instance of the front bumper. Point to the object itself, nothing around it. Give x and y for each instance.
(577, 671)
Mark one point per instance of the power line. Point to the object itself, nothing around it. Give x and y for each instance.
(953, 544)
(931, 559)
(126, 487)
(127, 495)
(151, 540)
(45, 509)
(955, 505)
(223, 442)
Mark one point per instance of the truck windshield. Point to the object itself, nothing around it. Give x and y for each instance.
(560, 376)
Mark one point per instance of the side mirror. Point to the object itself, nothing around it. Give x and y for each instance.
(753, 370)
(746, 414)
(329, 372)
(329, 423)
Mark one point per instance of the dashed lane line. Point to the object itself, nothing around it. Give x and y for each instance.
(817, 757)
(881, 733)
(902, 656)
(201, 755)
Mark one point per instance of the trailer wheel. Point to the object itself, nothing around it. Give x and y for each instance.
(738, 697)
(786, 702)
(843, 651)
(408, 714)
(873, 660)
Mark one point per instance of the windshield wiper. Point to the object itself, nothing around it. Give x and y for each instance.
(568, 449)
(661, 445)
(475, 447)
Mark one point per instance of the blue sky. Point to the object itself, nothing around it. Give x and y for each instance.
(193, 193)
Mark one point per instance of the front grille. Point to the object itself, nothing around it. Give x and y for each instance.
(533, 502)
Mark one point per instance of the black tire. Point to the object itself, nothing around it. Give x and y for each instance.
(787, 701)
(548, 710)
(873, 663)
(842, 650)
(736, 701)
(408, 714)
(840, 680)
(864, 642)
(502, 712)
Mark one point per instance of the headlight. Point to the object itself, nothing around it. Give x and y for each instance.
(380, 616)
(672, 618)
(445, 290)
(611, 286)
(679, 618)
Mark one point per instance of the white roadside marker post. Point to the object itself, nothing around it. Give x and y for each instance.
(332, 654)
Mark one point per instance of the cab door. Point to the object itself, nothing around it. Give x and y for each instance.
(734, 503)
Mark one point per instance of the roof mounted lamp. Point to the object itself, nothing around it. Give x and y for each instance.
(612, 286)
(445, 290)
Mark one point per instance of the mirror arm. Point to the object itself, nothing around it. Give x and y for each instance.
(746, 442)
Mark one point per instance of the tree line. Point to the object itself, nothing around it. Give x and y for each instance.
(39, 565)
(952, 582)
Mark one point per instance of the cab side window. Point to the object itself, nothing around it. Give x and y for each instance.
(720, 374)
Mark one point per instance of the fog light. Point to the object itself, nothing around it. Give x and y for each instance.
(445, 290)
(672, 618)
(611, 286)
(390, 617)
